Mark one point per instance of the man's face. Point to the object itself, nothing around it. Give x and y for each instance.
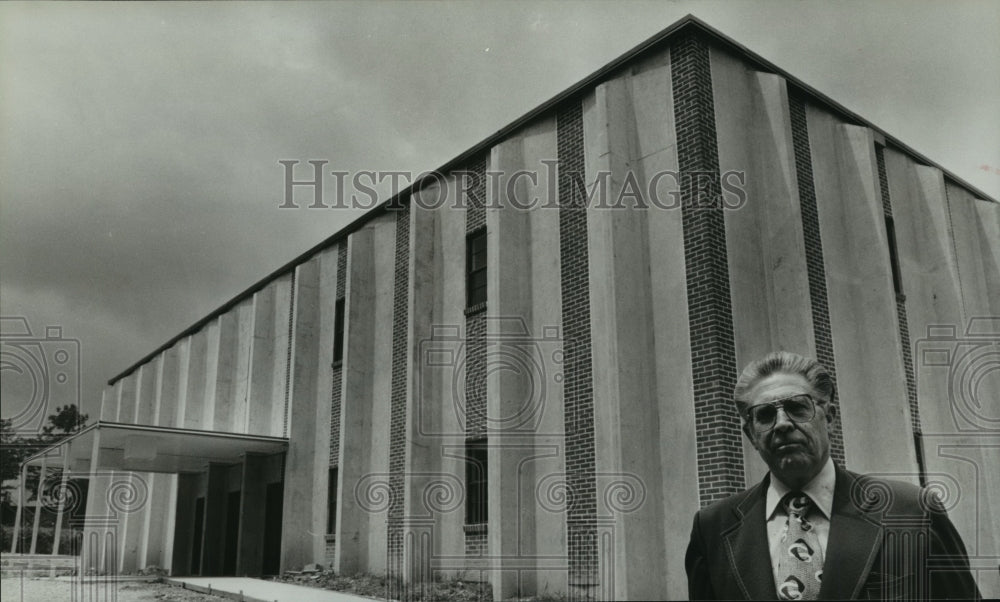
(794, 451)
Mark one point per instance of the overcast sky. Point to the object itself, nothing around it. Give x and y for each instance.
(139, 143)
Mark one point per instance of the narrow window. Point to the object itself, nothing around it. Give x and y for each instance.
(331, 500)
(890, 231)
(338, 332)
(476, 477)
(475, 268)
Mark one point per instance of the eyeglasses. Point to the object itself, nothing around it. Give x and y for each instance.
(798, 408)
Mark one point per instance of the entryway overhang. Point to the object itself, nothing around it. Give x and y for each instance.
(144, 448)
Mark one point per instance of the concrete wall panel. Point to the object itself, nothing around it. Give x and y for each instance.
(769, 281)
(196, 381)
(241, 378)
(282, 357)
(260, 394)
(297, 523)
(959, 456)
(862, 302)
(384, 232)
(642, 381)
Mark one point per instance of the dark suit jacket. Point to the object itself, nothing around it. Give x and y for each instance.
(887, 540)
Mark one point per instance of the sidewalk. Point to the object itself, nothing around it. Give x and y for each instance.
(258, 590)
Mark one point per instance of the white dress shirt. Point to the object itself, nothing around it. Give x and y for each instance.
(820, 491)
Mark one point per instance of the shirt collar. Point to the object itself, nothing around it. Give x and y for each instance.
(819, 490)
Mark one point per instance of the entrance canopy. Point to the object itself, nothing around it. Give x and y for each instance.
(143, 448)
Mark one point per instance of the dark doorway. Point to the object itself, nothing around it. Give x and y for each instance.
(232, 536)
(272, 529)
(199, 532)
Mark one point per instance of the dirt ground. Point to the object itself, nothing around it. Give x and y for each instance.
(56, 590)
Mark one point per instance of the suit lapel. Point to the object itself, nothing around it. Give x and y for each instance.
(855, 539)
(746, 545)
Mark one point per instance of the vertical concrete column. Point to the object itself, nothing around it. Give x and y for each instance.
(168, 387)
(241, 378)
(250, 556)
(158, 516)
(282, 353)
(145, 401)
(212, 545)
(197, 378)
(524, 409)
(65, 450)
(135, 524)
(225, 365)
(425, 391)
(384, 232)
(22, 497)
(99, 532)
(118, 534)
(261, 362)
(866, 341)
(625, 412)
(127, 392)
(357, 404)
(306, 474)
(449, 535)
(38, 506)
(769, 281)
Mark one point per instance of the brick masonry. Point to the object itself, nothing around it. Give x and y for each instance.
(476, 544)
(713, 351)
(904, 329)
(814, 255)
(475, 323)
(578, 388)
(338, 370)
(397, 401)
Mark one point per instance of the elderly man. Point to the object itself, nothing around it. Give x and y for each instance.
(812, 530)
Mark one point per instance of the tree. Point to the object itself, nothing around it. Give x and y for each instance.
(15, 448)
(66, 421)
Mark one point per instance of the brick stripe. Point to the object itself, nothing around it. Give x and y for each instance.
(904, 329)
(397, 402)
(578, 389)
(338, 371)
(814, 255)
(713, 351)
(475, 324)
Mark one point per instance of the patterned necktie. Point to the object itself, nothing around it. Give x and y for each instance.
(800, 564)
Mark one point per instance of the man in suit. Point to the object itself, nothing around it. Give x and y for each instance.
(812, 530)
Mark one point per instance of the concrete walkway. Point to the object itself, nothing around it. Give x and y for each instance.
(258, 590)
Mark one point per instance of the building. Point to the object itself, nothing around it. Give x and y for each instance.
(540, 397)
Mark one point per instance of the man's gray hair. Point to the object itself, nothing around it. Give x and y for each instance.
(790, 363)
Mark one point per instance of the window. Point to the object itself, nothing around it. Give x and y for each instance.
(331, 500)
(890, 231)
(476, 477)
(338, 332)
(475, 268)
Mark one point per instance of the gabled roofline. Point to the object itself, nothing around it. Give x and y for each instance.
(688, 22)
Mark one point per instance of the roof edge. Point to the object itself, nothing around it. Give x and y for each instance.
(595, 78)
